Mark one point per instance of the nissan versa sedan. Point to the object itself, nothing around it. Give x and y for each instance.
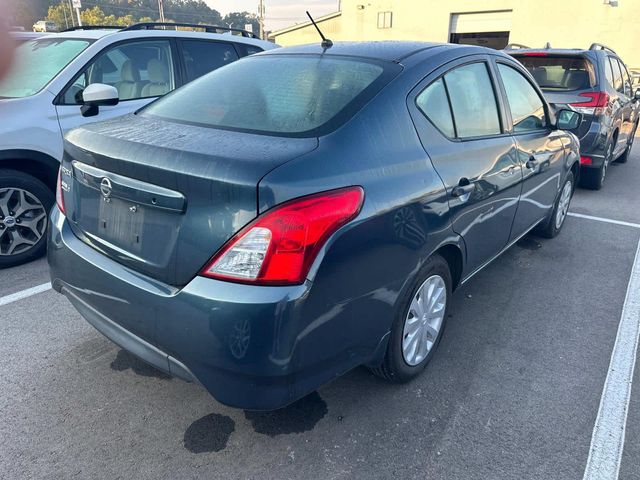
(313, 215)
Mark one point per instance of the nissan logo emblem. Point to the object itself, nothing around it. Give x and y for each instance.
(105, 187)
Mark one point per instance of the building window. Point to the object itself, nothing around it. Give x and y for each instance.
(385, 19)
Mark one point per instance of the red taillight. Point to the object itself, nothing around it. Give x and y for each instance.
(586, 160)
(596, 104)
(59, 196)
(279, 246)
(596, 99)
(535, 54)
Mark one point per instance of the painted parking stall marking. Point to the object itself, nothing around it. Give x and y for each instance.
(605, 220)
(607, 441)
(14, 297)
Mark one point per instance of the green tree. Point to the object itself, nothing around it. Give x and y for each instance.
(62, 15)
(114, 12)
(93, 16)
(240, 19)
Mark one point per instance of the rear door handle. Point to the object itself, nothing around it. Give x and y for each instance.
(464, 189)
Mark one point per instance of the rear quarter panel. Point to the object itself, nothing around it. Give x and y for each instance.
(365, 267)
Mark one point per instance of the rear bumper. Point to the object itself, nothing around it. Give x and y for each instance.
(250, 347)
(592, 144)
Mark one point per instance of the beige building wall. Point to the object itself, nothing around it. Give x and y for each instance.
(563, 23)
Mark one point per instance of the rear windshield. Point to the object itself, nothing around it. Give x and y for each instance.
(287, 95)
(560, 73)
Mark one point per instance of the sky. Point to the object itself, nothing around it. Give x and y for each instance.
(278, 13)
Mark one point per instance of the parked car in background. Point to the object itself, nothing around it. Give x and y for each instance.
(596, 83)
(307, 210)
(43, 97)
(45, 26)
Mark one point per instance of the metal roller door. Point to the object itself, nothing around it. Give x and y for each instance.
(489, 29)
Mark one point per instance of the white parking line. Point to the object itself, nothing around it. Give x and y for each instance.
(605, 220)
(14, 297)
(607, 441)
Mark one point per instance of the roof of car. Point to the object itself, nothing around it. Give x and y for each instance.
(85, 34)
(550, 51)
(95, 34)
(393, 51)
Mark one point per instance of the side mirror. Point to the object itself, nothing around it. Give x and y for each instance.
(636, 94)
(568, 119)
(97, 95)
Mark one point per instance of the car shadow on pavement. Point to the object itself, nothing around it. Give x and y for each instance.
(125, 360)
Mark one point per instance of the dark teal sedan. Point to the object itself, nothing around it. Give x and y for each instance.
(302, 212)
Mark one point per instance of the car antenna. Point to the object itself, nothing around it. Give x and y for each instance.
(326, 43)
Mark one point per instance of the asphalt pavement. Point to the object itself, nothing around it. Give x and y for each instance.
(513, 391)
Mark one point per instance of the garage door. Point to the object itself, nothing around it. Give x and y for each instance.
(487, 29)
(499, 21)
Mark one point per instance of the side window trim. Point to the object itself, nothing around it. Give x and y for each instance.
(453, 117)
(547, 114)
(59, 99)
(497, 94)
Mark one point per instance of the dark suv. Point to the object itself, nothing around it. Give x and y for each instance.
(596, 83)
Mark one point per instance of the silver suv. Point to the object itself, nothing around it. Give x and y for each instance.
(44, 97)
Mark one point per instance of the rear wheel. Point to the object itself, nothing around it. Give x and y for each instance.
(625, 156)
(419, 323)
(24, 207)
(552, 226)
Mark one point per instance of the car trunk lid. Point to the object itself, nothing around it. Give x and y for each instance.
(162, 197)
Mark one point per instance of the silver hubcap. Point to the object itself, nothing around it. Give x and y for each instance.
(23, 221)
(563, 204)
(424, 320)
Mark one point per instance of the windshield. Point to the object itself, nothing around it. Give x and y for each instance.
(287, 95)
(37, 63)
(560, 73)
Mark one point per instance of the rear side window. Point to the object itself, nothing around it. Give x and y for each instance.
(626, 81)
(617, 75)
(462, 103)
(560, 73)
(204, 57)
(245, 49)
(433, 103)
(608, 72)
(287, 95)
(473, 101)
(527, 109)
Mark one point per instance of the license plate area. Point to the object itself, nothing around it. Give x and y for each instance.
(121, 223)
(132, 221)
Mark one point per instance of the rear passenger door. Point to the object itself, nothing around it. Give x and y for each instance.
(458, 115)
(540, 149)
(200, 57)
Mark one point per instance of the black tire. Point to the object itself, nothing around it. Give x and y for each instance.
(593, 178)
(550, 228)
(13, 179)
(394, 368)
(624, 158)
